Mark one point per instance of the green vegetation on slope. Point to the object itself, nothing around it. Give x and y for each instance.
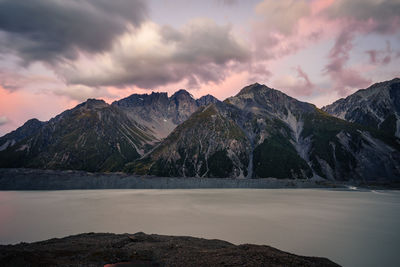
(186, 151)
(276, 157)
(389, 124)
(325, 144)
(90, 139)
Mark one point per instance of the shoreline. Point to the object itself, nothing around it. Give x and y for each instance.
(37, 179)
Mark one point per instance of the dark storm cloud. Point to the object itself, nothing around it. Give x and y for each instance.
(49, 30)
(152, 56)
(384, 14)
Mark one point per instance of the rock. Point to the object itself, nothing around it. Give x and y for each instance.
(111, 250)
(378, 106)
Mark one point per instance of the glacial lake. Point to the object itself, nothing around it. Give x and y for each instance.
(352, 228)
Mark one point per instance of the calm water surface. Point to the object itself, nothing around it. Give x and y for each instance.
(351, 228)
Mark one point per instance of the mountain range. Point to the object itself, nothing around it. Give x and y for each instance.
(260, 132)
(377, 107)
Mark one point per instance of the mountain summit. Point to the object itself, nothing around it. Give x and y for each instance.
(160, 113)
(377, 107)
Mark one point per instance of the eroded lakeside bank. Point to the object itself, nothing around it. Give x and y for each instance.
(35, 179)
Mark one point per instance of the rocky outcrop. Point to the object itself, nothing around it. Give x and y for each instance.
(160, 113)
(376, 107)
(208, 144)
(140, 249)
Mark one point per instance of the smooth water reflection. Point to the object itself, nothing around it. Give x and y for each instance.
(351, 228)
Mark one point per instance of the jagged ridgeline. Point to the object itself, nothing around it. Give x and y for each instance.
(260, 132)
(376, 107)
(96, 136)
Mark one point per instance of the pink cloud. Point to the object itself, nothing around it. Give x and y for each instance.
(230, 86)
(320, 5)
(307, 86)
(20, 106)
(3, 120)
(372, 56)
(343, 77)
(364, 22)
(318, 22)
(296, 86)
(381, 57)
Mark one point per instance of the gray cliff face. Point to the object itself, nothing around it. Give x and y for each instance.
(181, 106)
(377, 107)
(160, 113)
(208, 144)
(260, 99)
(206, 100)
(262, 132)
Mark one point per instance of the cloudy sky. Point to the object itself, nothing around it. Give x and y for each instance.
(57, 53)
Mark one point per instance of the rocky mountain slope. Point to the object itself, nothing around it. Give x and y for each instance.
(28, 129)
(92, 136)
(160, 113)
(261, 132)
(111, 250)
(377, 107)
(96, 136)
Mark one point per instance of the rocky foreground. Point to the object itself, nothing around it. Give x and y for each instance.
(111, 250)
